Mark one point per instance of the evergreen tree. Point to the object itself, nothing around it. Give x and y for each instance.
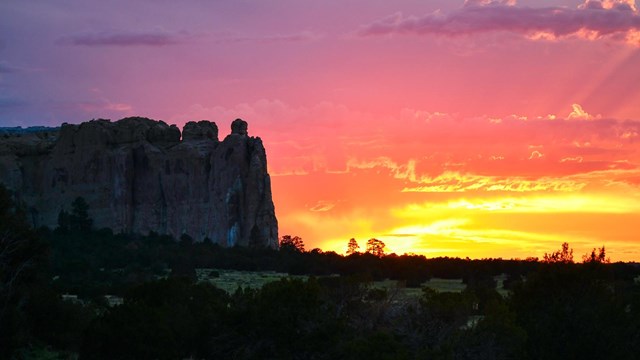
(375, 247)
(291, 243)
(79, 217)
(352, 247)
(22, 255)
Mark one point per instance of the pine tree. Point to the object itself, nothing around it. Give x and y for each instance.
(352, 247)
(376, 247)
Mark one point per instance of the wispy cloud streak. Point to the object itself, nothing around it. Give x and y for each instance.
(6, 68)
(276, 38)
(124, 39)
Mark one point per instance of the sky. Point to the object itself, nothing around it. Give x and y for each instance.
(473, 128)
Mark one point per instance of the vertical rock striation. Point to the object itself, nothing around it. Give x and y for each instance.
(138, 175)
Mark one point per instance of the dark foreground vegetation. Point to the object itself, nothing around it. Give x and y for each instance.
(555, 309)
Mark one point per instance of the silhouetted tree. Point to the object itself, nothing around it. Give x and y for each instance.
(168, 319)
(375, 247)
(291, 243)
(352, 247)
(375, 345)
(563, 256)
(290, 319)
(439, 316)
(79, 219)
(63, 221)
(186, 240)
(573, 312)
(599, 257)
(22, 255)
(496, 335)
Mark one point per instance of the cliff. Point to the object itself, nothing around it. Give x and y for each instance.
(139, 175)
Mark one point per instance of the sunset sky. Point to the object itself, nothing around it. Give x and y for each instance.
(447, 128)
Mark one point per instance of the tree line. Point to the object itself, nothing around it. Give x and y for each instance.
(556, 308)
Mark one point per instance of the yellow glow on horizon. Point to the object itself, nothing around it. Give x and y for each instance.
(508, 227)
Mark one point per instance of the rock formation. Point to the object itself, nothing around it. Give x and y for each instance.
(138, 175)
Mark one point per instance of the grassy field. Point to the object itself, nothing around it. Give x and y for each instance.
(445, 285)
(230, 280)
(437, 284)
(398, 290)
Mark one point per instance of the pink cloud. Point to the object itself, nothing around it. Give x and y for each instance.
(617, 20)
(419, 144)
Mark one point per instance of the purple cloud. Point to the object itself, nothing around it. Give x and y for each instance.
(124, 39)
(591, 20)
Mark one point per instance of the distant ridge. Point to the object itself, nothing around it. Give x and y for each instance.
(28, 130)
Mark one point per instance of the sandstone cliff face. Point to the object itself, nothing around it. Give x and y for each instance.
(138, 175)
